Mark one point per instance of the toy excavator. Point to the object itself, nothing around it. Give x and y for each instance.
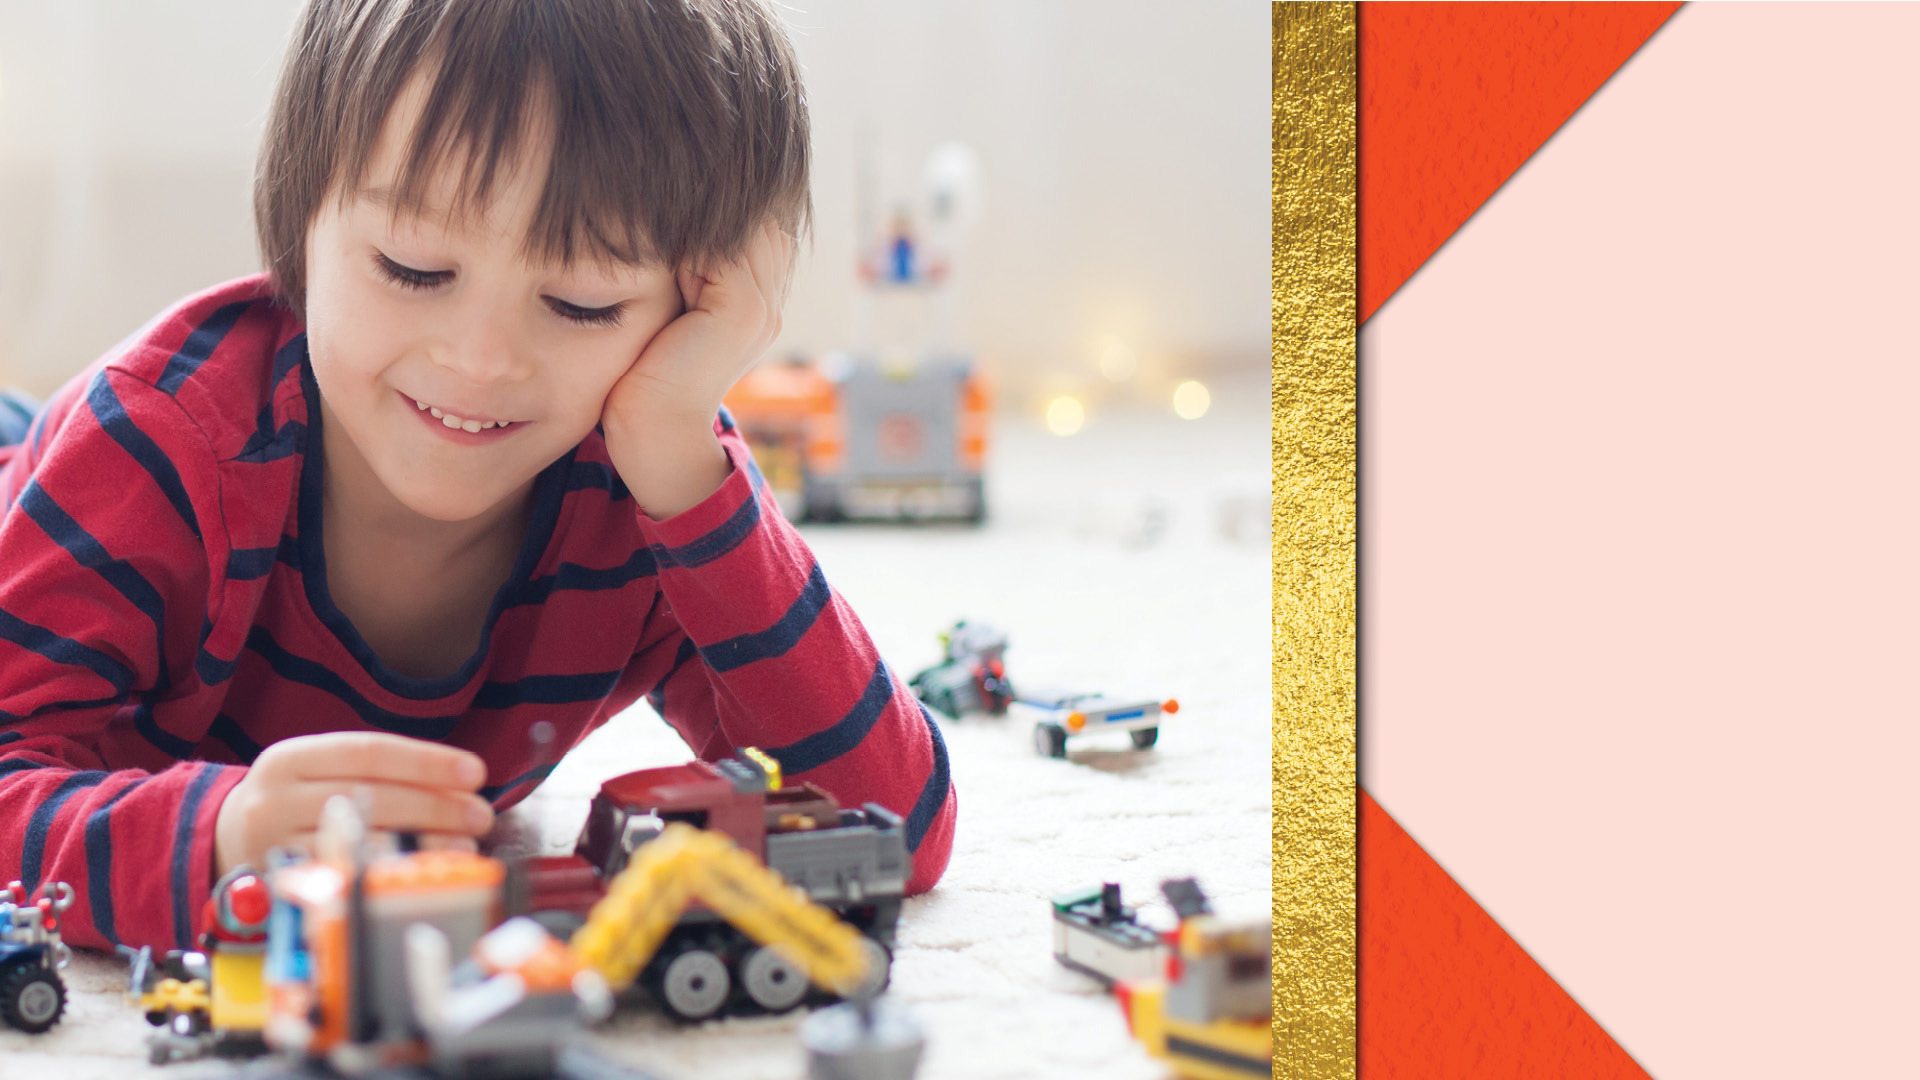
(1212, 1018)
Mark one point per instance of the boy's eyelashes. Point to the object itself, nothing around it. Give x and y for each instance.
(409, 278)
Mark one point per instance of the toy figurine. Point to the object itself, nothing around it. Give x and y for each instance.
(211, 1000)
(32, 994)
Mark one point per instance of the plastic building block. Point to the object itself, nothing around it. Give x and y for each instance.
(1095, 934)
(32, 994)
(1211, 1015)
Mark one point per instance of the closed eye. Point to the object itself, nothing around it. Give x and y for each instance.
(604, 316)
(407, 277)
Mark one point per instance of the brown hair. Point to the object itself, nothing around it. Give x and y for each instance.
(678, 125)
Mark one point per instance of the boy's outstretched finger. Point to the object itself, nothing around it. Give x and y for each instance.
(378, 756)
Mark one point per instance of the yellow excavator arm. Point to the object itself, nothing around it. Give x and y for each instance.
(684, 864)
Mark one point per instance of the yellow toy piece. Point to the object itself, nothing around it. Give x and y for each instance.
(1221, 1050)
(172, 997)
(685, 864)
(239, 995)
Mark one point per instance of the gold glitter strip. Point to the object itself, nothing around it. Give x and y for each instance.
(1315, 96)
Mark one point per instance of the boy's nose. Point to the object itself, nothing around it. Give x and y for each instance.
(481, 351)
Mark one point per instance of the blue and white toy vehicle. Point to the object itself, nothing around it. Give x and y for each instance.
(32, 994)
(1058, 717)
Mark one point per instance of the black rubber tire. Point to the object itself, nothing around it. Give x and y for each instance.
(26, 992)
(1050, 740)
(1144, 738)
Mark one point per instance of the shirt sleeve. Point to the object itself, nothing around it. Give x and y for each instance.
(103, 602)
(752, 647)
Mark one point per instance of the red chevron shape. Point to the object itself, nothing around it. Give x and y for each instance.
(1454, 98)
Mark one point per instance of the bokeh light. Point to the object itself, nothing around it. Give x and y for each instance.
(1065, 415)
(1117, 361)
(1191, 400)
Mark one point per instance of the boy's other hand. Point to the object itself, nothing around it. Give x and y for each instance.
(410, 785)
(658, 419)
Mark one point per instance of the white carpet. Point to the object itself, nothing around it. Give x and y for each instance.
(1130, 557)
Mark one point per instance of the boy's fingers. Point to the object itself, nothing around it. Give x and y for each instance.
(403, 807)
(372, 755)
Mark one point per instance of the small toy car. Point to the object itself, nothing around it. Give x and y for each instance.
(1095, 934)
(1060, 716)
(972, 674)
(32, 994)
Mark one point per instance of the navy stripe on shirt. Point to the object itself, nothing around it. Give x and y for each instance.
(547, 690)
(249, 564)
(776, 639)
(65, 650)
(199, 345)
(318, 676)
(90, 553)
(597, 474)
(724, 538)
(934, 794)
(183, 852)
(99, 849)
(15, 764)
(34, 846)
(168, 743)
(657, 697)
(10, 737)
(114, 420)
(228, 730)
(493, 792)
(846, 733)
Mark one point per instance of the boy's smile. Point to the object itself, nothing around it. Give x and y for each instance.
(452, 367)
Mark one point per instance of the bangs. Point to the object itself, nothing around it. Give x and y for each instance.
(675, 127)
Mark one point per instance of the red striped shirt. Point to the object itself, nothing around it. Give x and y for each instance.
(164, 616)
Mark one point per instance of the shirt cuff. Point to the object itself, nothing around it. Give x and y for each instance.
(718, 521)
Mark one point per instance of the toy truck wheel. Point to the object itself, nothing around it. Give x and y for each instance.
(1145, 737)
(879, 968)
(694, 984)
(1050, 740)
(31, 997)
(772, 981)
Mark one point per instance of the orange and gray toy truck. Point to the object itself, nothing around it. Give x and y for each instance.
(853, 438)
(851, 862)
(1211, 1017)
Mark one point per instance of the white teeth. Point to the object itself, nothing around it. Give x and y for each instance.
(457, 422)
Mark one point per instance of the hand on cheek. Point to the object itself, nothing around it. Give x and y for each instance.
(659, 416)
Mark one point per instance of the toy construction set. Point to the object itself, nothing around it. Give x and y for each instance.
(714, 888)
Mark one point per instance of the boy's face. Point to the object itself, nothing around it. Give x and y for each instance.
(412, 313)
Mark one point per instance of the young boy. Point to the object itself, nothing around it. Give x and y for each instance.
(450, 468)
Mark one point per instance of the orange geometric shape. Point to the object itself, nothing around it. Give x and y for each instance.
(1445, 994)
(1454, 98)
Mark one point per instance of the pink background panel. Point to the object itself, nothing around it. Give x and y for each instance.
(1640, 533)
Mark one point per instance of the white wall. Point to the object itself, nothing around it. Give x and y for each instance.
(1124, 152)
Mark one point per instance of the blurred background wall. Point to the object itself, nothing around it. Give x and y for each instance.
(1122, 210)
